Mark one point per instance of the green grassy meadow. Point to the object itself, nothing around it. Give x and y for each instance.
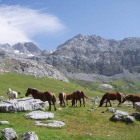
(80, 122)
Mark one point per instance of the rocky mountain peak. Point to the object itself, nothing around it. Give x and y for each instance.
(31, 47)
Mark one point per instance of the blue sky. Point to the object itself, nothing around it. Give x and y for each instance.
(50, 23)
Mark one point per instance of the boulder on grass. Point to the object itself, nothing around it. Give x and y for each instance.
(4, 122)
(51, 123)
(29, 136)
(9, 134)
(39, 115)
(122, 116)
(137, 105)
(24, 104)
(106, 87)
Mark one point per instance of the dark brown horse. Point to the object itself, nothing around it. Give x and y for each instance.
(43, 96)
(64, 98)
(77, 95)
(111, 96)
(132, 97)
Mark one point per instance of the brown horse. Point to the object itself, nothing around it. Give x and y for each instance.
(77, 95)
(43, 96)
(132, 97)
(64, 98)
(111, 96)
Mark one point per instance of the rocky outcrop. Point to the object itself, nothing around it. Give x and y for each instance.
(30, 67)
(24, 104)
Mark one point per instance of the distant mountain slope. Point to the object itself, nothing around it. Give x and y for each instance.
(96, 55)
(83, 54)
(21, 48)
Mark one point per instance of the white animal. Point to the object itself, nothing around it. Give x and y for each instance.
(12, 94)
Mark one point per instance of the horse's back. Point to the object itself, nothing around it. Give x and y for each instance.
(69, 97)
(134, 98)
(76, 95)
(112, 96)
(12, 94)
(50, 96)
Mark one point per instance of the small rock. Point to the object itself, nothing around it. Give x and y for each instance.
(111, 109)
(89, 134)
(4, 122)
(51, 123)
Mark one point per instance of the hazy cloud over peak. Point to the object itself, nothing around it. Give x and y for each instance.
(21, 24)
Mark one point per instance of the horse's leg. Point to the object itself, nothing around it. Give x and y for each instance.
(84, 102)
(54, 105)
(80, 102)
(106, 102)
(60, 103)
(65, 102)
(119, 102)
(133, 105)
(49, 105)
(110, 103)
(73, 102)
(76, 103)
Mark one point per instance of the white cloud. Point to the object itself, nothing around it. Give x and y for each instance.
(21, 24)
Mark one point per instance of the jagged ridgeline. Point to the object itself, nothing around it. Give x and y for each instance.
(87, 55)
(94, 54)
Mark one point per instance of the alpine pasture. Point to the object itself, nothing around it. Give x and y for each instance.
(80, 122)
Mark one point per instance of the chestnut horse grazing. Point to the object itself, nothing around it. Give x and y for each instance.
(132, 97)
(69, 97)
(64, 98)
(43, 96)
(77, 95)
(111, 96)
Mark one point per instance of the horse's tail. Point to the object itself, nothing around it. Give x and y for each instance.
(15, 95)
(54, 98)
(64, 99)
(102, 100)
(84, 95)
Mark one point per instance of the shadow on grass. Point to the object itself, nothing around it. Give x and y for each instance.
(2, 138)
(137, 118)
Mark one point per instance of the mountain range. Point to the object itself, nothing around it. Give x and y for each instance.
(92, 55)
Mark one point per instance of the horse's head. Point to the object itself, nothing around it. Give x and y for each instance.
(124, 98)
(29, 91)
(101, 103)
(8, 90)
